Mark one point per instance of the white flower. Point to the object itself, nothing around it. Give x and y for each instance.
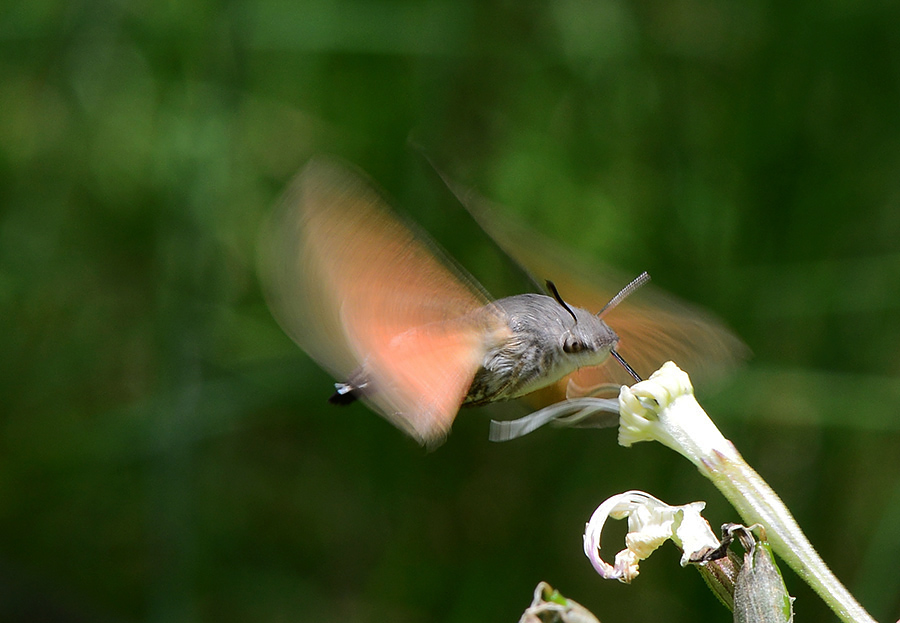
(651, 522)
(663, 408)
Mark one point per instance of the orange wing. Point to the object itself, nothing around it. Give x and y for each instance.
(356, 288)
(653, 327)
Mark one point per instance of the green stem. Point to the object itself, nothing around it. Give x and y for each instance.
(756, 502)
(663, 409)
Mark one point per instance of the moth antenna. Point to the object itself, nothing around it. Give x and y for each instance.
(638, 281)
(552, 287)
(625, 365)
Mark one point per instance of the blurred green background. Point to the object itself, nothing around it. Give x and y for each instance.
(167, 453)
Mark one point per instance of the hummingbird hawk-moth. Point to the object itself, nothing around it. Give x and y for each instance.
(403, 329)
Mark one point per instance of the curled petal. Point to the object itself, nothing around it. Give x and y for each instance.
(651, 522)
(617, 507)
(575, 412)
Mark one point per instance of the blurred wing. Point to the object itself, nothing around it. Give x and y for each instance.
(357, 289)
(653, 327)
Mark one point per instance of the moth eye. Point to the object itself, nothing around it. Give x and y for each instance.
(572, 345)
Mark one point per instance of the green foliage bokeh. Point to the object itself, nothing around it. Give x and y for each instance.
(167, 453)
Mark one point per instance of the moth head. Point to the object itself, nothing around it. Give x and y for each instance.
(590, 338)
(586, 337)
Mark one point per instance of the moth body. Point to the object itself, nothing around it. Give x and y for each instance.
(540, 343)
(373, 301)
(544, 344)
